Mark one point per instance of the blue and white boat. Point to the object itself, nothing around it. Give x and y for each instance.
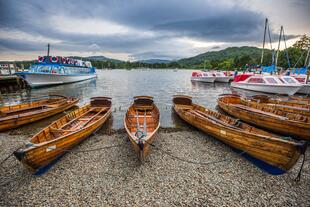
(55, 70)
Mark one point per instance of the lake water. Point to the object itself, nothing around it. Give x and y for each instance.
(122, 85)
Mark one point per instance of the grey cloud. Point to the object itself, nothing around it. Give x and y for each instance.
(199, 19)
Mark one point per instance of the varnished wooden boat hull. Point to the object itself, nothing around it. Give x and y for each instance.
(38, 156)
(279, 124)
(142, 150)
(262, 145)
(15, 121)
(291, 106)
(142, 147)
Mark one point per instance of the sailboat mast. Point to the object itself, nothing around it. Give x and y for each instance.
(307, 57)
(262, 58)
(277, 55)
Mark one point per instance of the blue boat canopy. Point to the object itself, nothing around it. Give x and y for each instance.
(269, 69)
(298, 71)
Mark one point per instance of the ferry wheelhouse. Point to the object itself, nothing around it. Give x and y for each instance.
(55, 70)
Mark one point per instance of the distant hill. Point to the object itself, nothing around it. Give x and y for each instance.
(230, 52)
(153, 61)
(98, 58)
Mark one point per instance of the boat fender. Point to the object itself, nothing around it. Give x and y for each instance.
(302, 146)
(40, 59)
(139, 134)
(64, 60)
(54, 59)
(29, 144)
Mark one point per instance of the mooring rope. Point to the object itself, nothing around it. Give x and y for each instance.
(298, 177)
(3, 161)
(69, 150)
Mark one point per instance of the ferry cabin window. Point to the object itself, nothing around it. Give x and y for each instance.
(33, 68)
(43, 69)
(56, 70)
(271, 80)
(256, 80)
(76, 70)
(289, 80)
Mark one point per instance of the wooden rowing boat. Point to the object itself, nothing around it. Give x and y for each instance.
(286, 123)
(24, 113)
(280, 104)
(63, 134)
(305, 100)
(141, 123)
(270, 148)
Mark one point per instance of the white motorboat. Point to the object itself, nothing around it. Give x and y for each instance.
(265, 84)
(221, 77)
(203, 77)
(305, 85)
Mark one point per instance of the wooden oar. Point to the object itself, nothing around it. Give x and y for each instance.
(144, 124)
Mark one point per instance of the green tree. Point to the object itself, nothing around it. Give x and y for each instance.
(207, 64)
(246, 59)
(303, 42)
(226, 64)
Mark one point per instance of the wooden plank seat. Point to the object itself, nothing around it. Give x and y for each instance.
(83, 119)
(141, 126)
(52, 129)
(140, 116)
(139, 107)
(184, 107)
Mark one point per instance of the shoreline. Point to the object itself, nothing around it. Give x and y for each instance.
(115, 176)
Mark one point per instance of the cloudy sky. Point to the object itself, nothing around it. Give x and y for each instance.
(142, 29)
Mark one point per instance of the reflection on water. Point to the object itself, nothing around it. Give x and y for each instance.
(122, 85)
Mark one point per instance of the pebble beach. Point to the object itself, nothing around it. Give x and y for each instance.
(114, 176)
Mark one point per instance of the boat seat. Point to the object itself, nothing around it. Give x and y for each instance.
(83, 119)
(302, 118)
(142, 126)
(52, 129)
(140, 116)
(179, 106)
(143, 107)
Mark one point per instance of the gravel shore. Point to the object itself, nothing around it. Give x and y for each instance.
(115, 177)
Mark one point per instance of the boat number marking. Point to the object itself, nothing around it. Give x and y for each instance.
(223, 132)
(50, 148)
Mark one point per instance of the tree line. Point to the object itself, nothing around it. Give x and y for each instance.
(297, 55)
